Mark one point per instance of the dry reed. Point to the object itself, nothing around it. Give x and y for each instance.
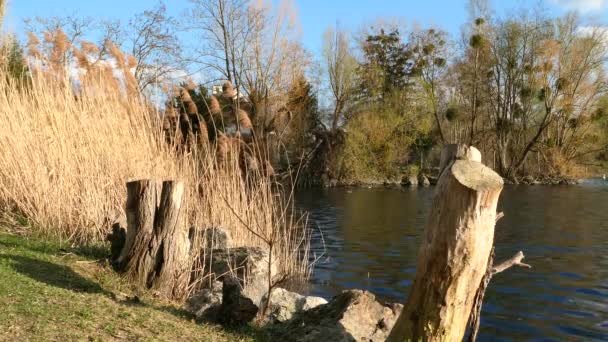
(66, 155)
(214, 106)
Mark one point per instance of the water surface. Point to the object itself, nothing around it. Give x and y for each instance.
(370, 240)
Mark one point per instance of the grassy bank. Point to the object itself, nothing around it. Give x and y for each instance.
(52, 292)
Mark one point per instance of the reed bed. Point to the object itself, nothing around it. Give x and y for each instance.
(68, 148)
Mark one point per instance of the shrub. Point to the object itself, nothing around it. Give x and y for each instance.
(376, 143)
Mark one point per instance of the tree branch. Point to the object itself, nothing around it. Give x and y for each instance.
(513, 261)
(499, 216)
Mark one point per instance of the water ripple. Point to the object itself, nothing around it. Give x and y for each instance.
(370, 239)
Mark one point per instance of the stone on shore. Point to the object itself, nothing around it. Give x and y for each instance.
(236, 308)
(217, 238)
(201, 304)
(249, 264)
(285, 304)
(118, 236)
(423, 180)
(354, 315)
(529, 180)
(410, 180)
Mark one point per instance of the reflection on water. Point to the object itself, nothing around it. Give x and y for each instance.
(370, 240)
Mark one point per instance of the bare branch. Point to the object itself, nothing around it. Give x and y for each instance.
(499, 216)
(513, 261)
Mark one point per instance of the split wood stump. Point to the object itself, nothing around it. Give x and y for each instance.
(156, 248)
(455, 251)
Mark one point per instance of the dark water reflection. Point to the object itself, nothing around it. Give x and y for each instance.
(371, 236)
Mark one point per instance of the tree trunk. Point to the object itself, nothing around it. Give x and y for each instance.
(156, 249)
(455, 251)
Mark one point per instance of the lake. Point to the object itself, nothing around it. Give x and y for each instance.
(369, 239)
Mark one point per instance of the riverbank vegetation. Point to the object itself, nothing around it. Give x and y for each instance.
(528, 89)
(76, 126)
(378, 101)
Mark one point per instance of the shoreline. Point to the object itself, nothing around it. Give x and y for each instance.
(433, 181)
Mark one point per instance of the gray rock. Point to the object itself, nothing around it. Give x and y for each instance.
(410, 181)
(249, 264)
(423, 180)
(391, 182)
(284, 304)
(117, 238)
(311, 302)
(236, 308)
(205, 300)
(217, 237)
(528, 180)
(354, 315)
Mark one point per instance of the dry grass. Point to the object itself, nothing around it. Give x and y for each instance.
(65, 156)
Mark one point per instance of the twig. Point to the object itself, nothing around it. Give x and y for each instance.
(513, 261)
(499, 216)
(243, 222)
(491, 270)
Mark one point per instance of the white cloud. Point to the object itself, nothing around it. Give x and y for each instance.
(583, 6)
(598, 31)
(589, 30)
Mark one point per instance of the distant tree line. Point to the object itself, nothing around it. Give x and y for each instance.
(528, 90)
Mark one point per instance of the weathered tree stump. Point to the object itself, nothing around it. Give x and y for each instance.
(453, 152)
(156, 249)
(454, 255)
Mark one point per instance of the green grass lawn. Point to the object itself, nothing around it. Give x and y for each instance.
(50, 292)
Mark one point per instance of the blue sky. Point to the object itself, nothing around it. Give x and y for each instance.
(314, 15)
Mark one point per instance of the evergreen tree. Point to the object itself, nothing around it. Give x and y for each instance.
(388, 65)
(12, 60)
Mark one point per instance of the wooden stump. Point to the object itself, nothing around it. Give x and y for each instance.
(156, 249)
(455, 250)
(453, 152)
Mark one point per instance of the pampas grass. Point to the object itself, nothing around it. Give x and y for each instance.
(228, 92)
(214, 106)
(32, 45)
(244, 121)
(89, 47)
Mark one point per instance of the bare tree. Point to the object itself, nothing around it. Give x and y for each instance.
(77, 29)
(431, 48)
(254, 47)
(223, 28)
(571, 78)
(155, 46)
(273, 61)
(341, 71)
